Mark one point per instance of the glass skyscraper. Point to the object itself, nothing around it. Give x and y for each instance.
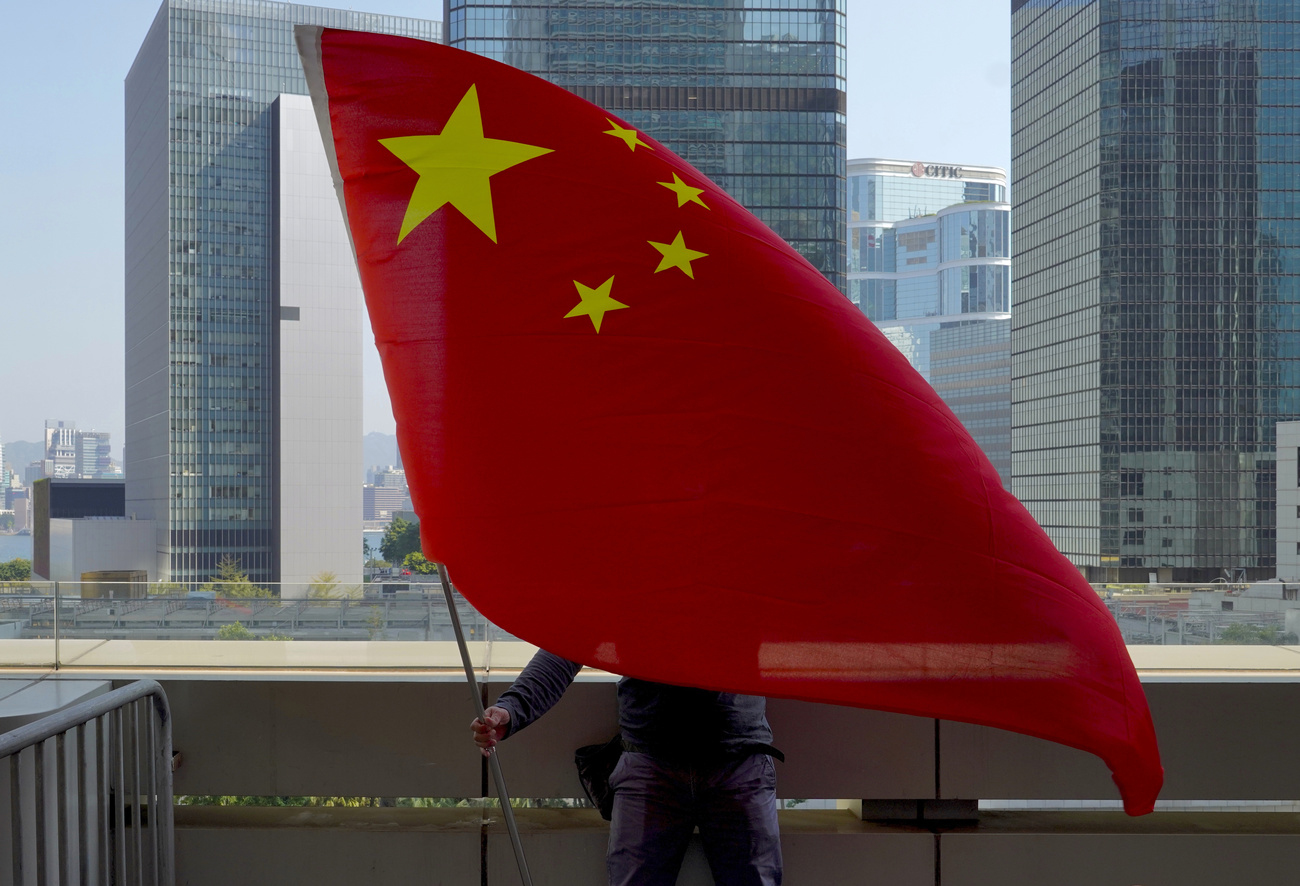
(210, 205)
(1156, 340)
(929, 263)
(751, 92)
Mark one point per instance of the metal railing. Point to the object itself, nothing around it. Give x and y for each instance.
(59, 611)
(89, 793)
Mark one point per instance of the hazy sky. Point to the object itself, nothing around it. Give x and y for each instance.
(929, 81)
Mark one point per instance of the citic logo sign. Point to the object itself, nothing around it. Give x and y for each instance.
(920, 170)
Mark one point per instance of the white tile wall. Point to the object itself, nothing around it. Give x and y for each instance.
(320, 364)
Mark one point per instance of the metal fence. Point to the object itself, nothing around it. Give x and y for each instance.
(377, 611)
(88, 793)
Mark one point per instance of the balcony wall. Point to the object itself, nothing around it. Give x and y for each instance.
(1227, 724)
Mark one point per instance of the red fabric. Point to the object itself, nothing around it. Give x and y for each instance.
(738, 482)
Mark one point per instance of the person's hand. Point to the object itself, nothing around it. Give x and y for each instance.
(486, 735)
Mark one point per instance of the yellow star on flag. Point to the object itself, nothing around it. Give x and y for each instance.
(685, 193)
(631, 136)
(595, 302)
(676, 255)
(456, 166)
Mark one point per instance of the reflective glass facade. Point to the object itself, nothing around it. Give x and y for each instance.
(1156, 340)
(202, 310)
(751, 92)
(970, 368)
(929, 262)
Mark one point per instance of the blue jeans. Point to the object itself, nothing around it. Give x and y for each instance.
(657, 805)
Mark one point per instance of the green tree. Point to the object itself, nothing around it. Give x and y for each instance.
(325, 586)
(231, 581)
(1251, 635)
(6, 522)
(375, 624)
(402, 537)
(17, 569)
(234, 631)
(417, 563)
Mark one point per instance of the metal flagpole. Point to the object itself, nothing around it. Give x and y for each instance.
(493, 763)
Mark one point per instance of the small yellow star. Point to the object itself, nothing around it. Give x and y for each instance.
(595, 302)
(676, 255)
(685, 193)
(631, 136)
(456, 167)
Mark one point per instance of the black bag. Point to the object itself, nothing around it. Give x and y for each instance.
(596, 764)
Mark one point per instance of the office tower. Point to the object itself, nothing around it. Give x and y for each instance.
(1155, 340)
(970, 368)
(380, 503)
(60, 457)
(243, 332)
(20, 501)
(929, 263)
(94, 455)
(70, 453)
(387, 495)
(1288, 500)
(751, 95)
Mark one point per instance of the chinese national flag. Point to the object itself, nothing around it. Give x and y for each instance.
(645, 434)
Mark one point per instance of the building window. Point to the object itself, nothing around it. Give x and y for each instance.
(1166, 542)
(1133, 537)
(1130, 483)
(1136, 515)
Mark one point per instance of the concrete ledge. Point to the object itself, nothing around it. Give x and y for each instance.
(564, 847)
(456, 819)
(1073, 849)
(269, 845)
(1155, 664)
(794, 822)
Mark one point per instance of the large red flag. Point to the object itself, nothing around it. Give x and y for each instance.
(645, 434)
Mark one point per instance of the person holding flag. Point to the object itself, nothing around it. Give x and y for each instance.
(691, 758)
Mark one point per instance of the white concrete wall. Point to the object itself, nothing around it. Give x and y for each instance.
(78, 546)
(380, 737)
(1288, 500)
(320, 363)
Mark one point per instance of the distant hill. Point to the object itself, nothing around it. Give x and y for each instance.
(378, 449)
(20, 454)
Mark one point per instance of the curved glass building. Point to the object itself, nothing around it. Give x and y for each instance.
(930, 264)
(750, 92)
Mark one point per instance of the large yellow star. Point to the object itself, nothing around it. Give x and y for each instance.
(685, 193)
(595, 302)
(630, 136)
(455, 167)
(676, 255)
